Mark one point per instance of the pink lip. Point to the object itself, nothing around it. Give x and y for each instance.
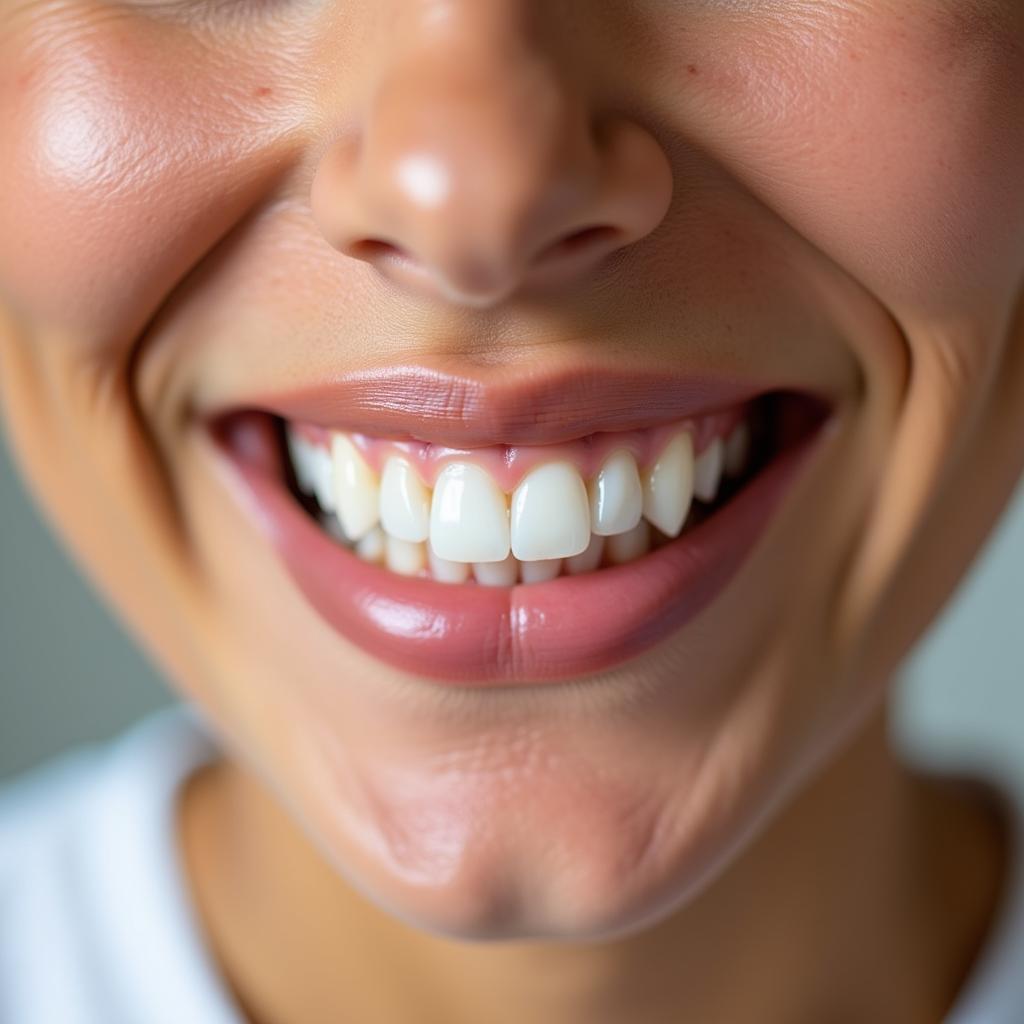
(422, 404)
(471, 635)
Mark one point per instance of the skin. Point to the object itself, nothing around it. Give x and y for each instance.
(832, 187)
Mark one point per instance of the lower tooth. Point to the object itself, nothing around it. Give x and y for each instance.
(625, 547)
(588, 560)
(446, 571)
(370, 547)
(540, 571)
(497, 574)
(405, 557)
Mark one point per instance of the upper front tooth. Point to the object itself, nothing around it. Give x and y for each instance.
(355, 487)
(616, 498)
(668, 486)
(404, 502)
(550, 513)
(468, 516)
(708, 470)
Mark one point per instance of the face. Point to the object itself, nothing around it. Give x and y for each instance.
(483, 238)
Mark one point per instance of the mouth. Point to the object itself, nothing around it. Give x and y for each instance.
(477, 535)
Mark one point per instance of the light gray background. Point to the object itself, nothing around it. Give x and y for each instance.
(69, 674)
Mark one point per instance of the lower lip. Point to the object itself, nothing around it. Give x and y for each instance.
(469, 635)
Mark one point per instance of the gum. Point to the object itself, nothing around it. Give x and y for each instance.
(508, 464)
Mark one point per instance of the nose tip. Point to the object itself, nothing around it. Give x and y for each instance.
(470, 185)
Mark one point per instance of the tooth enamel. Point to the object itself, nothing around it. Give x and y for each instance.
(668, 485)
(303, 457)
(323, 479)
(370, 547)
(404, 557)
(708, 470)
(355, 488)
(737, 446)
(540, 571)
(616, 497)
(468, 516)
(550, 513)
(497, 574)
(624, 547)
(404, 502)
(586, 561)
(445, 571)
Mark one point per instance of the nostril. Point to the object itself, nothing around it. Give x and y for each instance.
(602, 236)
(376, 250)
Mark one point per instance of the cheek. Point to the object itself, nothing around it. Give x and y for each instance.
(125, 151)
(895, 142)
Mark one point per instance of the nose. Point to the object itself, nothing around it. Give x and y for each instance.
(481, 168)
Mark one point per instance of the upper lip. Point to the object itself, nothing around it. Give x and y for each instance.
(416, 402)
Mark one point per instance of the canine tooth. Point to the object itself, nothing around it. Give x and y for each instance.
(468, 516)
(540, 571)
(624, 547)
(586, 561)
(497, 574)
(404, 502)
(550, 513)
(403, 556)
(737, 447)
(668, 485)
(707, 470)
(616, 497)
(446, 571)
(355, 487)
(370, 547)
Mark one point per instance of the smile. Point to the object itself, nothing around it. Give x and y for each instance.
(508, 562)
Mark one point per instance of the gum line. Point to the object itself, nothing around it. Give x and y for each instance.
(507, 464)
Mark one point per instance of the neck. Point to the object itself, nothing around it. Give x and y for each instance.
(863, 869)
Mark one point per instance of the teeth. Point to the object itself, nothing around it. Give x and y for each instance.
(404, 557)
(444, 570)
(355, 487)
(624, 547)
(370, 547)
(541, 571)
(550, 513)
(303, 456)
(554, 523)
(468, 516)
(668, 486)
(616, 497)
(708, 470)
(497, 574)
(586, 561)
(737, 447)
(404, 502)
(323, 480)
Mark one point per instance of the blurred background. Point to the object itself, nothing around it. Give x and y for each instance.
(69, 674)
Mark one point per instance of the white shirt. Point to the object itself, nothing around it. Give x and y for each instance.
(97, 924)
